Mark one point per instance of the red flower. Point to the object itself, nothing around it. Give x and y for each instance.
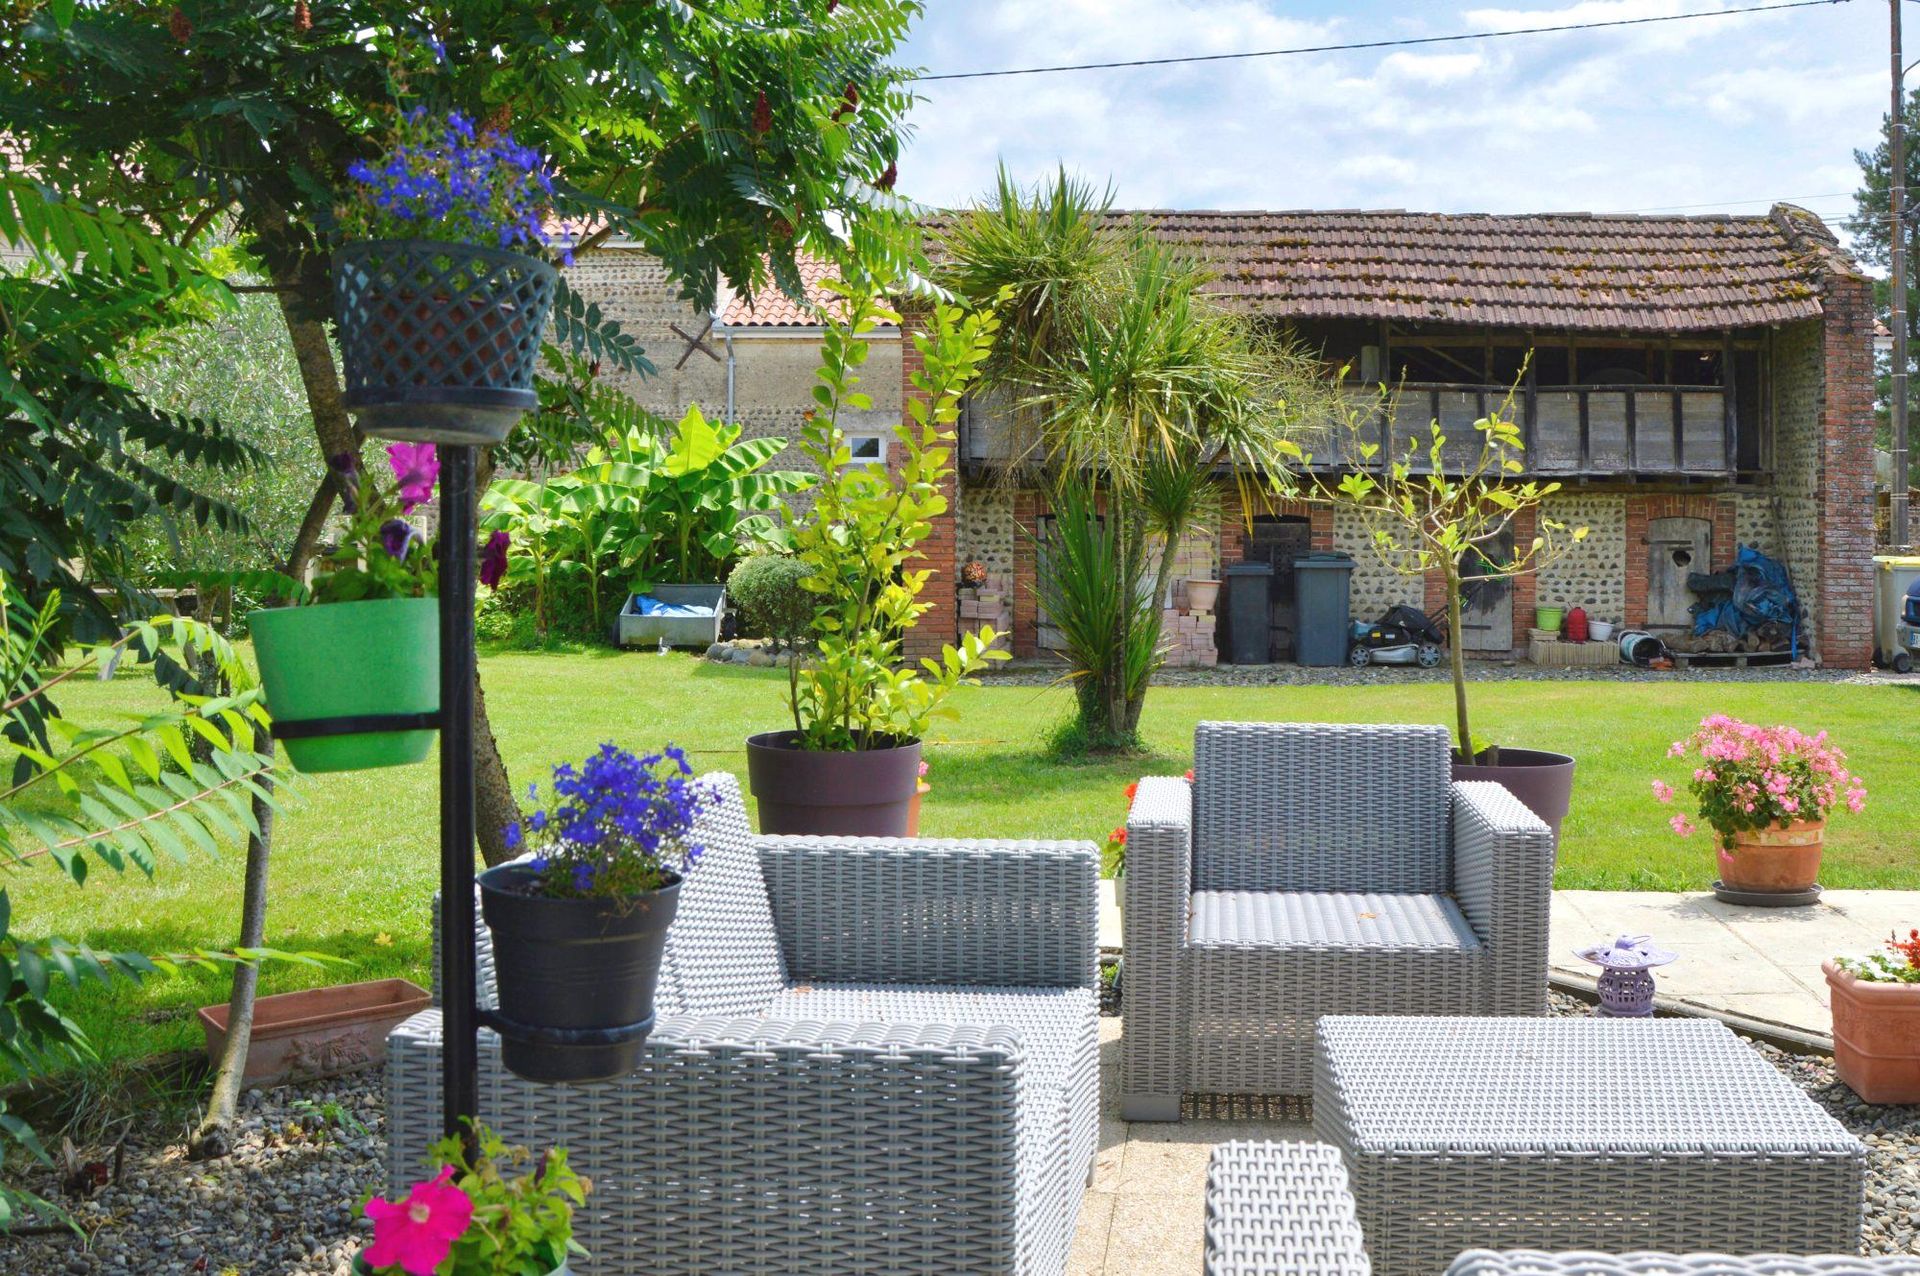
(1189, 776)
(762, 114)
(1133, 789)
(1908, 948)
(889, 176)
(416, 1234)
(179, 27)
(302, 17)
(1118, 837)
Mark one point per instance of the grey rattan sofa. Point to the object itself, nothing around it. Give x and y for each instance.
(1284, 1209)
(872, 1056)
(1310, 870)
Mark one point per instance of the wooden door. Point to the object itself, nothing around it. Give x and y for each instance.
(1278, 541)
(1486, 601)
(1676, 547)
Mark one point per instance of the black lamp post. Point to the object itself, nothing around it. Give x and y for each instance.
(460, 1050)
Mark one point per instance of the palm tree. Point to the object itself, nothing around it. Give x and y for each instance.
(1129, 392)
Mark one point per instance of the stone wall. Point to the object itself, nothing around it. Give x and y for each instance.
(986, 530)
(1375, 585)
(1591, 573)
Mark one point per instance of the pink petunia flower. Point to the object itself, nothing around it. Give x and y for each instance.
(1681, 825)
(1662, 790)
(1856, 800)
(417, 467)
(416, 1234)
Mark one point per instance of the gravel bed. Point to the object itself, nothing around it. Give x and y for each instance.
(1034, 673)
(287, 1202)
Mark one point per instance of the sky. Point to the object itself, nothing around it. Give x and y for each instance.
(1722, 114)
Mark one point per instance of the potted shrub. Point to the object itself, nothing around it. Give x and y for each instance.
(1766, 793)
(1876, 1021)
(580, 922)
(1426, 510)
(439, 299)
(496, 1212)
(852, 759)
(371, 609)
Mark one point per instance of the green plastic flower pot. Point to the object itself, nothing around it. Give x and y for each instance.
(345, 660)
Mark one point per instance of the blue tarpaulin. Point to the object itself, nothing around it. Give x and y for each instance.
(648, 605)
(1761, 593)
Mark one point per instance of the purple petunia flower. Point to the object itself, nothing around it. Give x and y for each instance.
(493, 567)
(511, 836)
(397, 537)
(416, 466)
(345, 467)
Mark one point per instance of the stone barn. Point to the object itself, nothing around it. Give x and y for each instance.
(1695, 384)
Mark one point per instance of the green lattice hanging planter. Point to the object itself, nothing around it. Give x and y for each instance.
(439, 341)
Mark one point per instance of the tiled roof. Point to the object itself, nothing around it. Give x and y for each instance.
(1552, 270)
(774, 309)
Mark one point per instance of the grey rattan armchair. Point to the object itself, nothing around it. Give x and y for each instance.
(873, 1055)
(1310, 870)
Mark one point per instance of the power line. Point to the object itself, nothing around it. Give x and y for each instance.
(1376, 44)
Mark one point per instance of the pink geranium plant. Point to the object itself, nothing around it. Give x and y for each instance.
(497, 1213)
(1753, 777)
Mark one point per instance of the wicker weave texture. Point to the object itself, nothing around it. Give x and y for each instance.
(1281, 1209)
(1286, 806)
(416, 314)
(1536, 1263)
(1462, 1132)
(881, 1127)
(1225, 983)
(870, 910)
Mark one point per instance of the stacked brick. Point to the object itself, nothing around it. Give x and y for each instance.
(990, 604)
(1186, 638)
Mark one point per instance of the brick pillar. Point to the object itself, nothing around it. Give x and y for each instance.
(1846, 496)
(1028, 506)
(1636, 564)
(940, 624)
(1526, 589)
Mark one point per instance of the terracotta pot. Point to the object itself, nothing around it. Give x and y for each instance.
(1784, 858)
(318, 1032)
(856, 793)
(1876, 1036)
(1541, 779)
(1202, 594)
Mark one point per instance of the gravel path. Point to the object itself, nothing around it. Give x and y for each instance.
(287, 1203)
(1035, 673)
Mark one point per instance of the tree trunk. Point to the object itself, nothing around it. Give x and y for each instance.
(1458, 651)
(214, 1137)
(337, 434)
(494, 807)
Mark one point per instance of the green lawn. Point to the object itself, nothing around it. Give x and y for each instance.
(357, 854)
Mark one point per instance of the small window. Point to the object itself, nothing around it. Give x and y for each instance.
(867, 449)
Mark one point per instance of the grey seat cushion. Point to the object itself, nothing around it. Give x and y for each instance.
(1052, 1022)
(1328, 919)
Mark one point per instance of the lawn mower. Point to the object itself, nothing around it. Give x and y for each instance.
(1404, 636)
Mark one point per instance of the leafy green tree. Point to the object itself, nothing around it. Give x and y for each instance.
(728, 137)
(1872, 228)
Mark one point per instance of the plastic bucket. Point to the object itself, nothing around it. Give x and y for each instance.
(1600, 630)
(1637, 646)
(1549, 618)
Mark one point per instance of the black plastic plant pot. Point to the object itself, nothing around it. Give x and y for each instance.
(439, 341)
(575, 977)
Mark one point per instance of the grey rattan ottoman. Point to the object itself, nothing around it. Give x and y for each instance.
(1464, 1133)
(1281, 1209)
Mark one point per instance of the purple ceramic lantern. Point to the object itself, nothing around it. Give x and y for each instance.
(1626, 979)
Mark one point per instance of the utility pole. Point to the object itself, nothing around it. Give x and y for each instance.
(1897, 529)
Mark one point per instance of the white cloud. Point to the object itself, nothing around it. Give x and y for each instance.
(1740, 108)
